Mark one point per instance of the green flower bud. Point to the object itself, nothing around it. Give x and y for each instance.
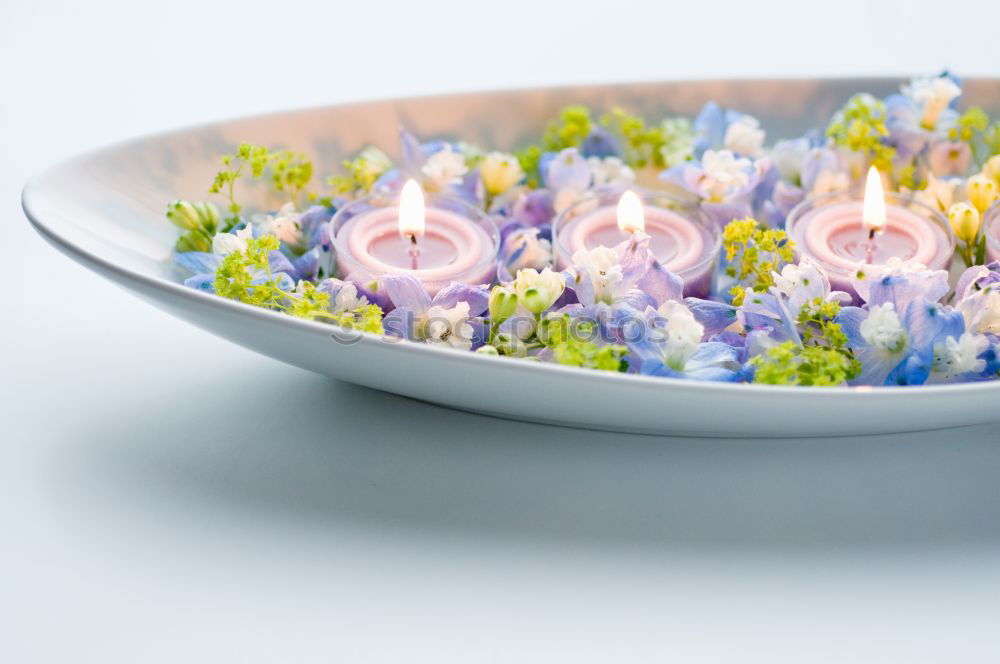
(194, 241)
(193, 216)
(503, 302)
(511, 345)
(964, 221)
(982, 191)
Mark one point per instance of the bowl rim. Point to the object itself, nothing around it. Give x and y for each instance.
(34, 192)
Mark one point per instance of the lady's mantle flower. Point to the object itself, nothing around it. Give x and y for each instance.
(444, 319)
(538, 291)
(444, 168)
(499, 172)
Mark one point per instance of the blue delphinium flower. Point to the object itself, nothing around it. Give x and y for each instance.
(448, 318)
(716, 129)
(668, 341)
(725, 182)
(922, 110)
(627, 274)
(904, 336)
(600, 143)
(202, 265)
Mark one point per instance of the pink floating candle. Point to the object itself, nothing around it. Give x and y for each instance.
(844, 232)
(438, 242)
(678, 237)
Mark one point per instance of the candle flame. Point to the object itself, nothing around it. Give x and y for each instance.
(411, 210)
(873, 214)
(630, 214)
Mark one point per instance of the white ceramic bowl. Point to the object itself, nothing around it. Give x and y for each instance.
(105, 210)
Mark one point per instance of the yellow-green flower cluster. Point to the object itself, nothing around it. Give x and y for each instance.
(754, 254)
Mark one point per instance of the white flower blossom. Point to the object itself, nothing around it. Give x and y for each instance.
(603, 266)
(224, 244)
(610, 171)
(882, 329)
(724, 173)
(537, 291)
(933, 95)
(449, 326)
(682, 334)
(828, 182)
(954, 357)
(788, 155)
(535, 251)
(981, 311)
(499, 172)
(790, 278)
(285, 225)
(445, 167)
(744, 136)
(347, 298)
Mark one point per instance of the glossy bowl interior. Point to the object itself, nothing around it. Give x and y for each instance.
(105, 210)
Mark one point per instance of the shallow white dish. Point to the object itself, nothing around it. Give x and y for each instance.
(105, 210)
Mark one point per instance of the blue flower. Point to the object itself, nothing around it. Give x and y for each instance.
(668, 342)
(600, 143)
(627, 274)
(903, 336)
(725, 182)
(924, 108)
(444, 319)
(716, 129)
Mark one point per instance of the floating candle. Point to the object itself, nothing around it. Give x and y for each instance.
(438, 241)
(678, 236)
(844, 232)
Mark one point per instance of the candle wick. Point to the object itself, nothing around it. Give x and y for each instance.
(414, 252)
(870, 251)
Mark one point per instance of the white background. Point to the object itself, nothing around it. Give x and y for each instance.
(166, 496)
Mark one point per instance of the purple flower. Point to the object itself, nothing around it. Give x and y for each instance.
(444, 319)
(600, 143)
(716, 129)
(668, 342)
